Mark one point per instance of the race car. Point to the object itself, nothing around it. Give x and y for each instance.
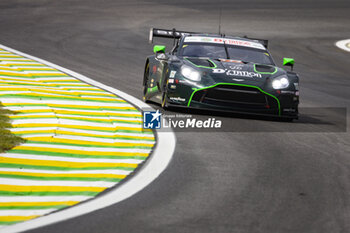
(219, 72)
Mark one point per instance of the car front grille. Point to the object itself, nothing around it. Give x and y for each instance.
(235, 97)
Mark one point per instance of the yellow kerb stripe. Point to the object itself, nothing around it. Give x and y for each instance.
(82, 142)
(109, 129)
(32, 74)
(62, 132)
(7, 67)
(85, 175)
(145, 136)
(18, 188)
(79, 152)
(16, 218)
(80, 165)
(26, 80)
(53, 203)
(102, 113)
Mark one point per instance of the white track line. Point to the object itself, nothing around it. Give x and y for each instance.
(68, 159)
(344, 44)
(82, 148)
(28, 182)
(24, 212)
(153, 167)
(114, 172)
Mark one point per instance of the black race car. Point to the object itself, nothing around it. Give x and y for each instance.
(220, 72)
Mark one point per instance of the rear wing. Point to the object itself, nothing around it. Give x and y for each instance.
(264, 42)
(167, 33)
(175, 34)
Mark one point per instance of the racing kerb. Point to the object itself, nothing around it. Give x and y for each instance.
(81, 141)
(343, 44)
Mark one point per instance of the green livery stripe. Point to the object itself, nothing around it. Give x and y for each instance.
(152, 89)
(207, 67)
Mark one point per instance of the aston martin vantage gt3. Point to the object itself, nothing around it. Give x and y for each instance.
(220, 72)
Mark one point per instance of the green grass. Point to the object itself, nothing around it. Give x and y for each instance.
(7, 139)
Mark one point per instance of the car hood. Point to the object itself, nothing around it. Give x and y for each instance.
(232, 71)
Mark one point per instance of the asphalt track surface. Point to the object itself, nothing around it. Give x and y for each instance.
(241, 181)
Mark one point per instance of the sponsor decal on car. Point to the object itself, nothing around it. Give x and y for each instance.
(240, 73)
(154, 69)
(289, 110)
(178, 99)
(238, 79)
(229, 60)
(296, 85)
(172, 74)
(288, 92)
(236, 67)
(171, 80)
(194, 39)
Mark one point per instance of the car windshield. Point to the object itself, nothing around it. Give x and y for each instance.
(217, 51)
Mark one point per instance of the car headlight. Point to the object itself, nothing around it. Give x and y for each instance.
(190, 73)
(280, 82)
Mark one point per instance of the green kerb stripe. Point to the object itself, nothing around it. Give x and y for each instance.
(32, 207)
(60, 178)
(90, 145)
(32, 193)
(21, 166)
(90, 136)
(60, 154)
(60, 98)
(80, 119)
(9, 223)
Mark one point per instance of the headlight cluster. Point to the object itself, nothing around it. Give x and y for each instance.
(190, 73)
(280, 82)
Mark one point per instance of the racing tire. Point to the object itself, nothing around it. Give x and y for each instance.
(145, 81)
(164, 101)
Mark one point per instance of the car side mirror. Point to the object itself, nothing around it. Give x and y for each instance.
(288, 62)
(159, 50)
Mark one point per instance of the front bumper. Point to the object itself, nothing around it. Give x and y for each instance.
(241, 98)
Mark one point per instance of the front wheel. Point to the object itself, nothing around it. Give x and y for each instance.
(145, 84)
(145, 89)
(164, 100)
